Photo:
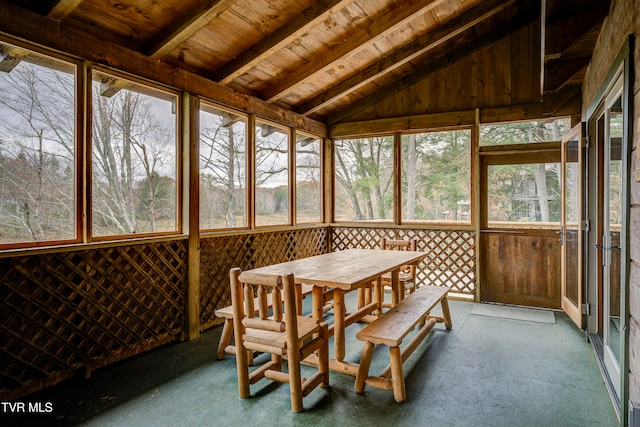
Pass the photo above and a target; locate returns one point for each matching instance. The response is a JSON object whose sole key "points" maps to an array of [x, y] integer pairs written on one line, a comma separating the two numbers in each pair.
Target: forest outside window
{"points": [[223, 168], [527, 132], [524, 194], [308, 179], [272, 174], [436, 177], [364, 179], [134, 161], [38, 203]]}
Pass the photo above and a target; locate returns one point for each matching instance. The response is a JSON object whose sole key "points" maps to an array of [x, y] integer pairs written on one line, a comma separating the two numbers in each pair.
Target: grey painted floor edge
{"points": [[486, 371]]}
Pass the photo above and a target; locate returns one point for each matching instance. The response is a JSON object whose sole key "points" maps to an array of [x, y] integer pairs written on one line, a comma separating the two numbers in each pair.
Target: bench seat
{"points": [[391, 328]]}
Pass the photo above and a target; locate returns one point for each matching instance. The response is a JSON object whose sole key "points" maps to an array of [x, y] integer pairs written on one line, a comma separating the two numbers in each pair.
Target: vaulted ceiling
{"points": [[320, 58]]}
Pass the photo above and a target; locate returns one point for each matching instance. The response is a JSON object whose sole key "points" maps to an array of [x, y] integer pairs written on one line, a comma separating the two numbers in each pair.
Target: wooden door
{"points": [[571, 237], [520, 257]]}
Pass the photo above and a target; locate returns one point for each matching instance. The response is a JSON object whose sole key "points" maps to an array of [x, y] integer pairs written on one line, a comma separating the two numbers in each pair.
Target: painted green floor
{"points": [[487, 371]]}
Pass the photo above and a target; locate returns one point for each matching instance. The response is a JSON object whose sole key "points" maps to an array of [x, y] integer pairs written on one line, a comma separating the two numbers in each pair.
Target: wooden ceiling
{"points": [[319, 58]]}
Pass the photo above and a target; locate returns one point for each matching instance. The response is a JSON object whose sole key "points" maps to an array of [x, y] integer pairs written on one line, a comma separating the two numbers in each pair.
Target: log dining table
{"points": [[336, 273]]}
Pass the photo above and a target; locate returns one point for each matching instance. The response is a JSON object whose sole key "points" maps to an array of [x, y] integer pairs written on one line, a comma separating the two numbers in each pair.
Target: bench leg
{"points": [[399, 391], [225, 338], [446, 313], [363, 368]]}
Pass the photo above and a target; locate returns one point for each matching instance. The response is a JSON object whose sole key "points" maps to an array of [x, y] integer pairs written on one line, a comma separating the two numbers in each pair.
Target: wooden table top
{"points": [[348, 269]]}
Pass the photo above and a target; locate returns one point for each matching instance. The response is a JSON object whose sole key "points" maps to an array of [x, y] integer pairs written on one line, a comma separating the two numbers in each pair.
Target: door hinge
{"points": [[586, 309]]}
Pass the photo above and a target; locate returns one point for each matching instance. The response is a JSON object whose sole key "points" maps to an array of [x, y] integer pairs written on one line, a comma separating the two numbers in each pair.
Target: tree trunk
{"points": [[412, 159]]}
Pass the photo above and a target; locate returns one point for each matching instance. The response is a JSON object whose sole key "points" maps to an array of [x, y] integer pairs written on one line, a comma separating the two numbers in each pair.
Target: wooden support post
{"points": [[191, 212]]}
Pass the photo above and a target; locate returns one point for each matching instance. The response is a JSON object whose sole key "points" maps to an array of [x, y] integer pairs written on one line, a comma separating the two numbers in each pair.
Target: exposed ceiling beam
{"points": [[10, 57], [356, 43], [286, 34], [63, 8], [396, 59], [490, 37], [562, 32], [110, 86], [194, 19], [559, 73]]}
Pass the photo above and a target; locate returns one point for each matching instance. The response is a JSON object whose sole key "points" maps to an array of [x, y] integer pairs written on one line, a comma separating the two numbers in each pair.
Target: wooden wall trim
{"points": [[531, 111], [29, 27]]}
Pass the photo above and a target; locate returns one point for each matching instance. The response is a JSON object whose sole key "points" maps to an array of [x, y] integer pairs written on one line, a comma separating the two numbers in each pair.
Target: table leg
{"points": [[395, 287], [378, 295], [317, 301], [338, 324]]}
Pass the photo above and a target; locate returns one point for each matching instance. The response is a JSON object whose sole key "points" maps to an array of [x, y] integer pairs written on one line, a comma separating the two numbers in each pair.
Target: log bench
{"points": [[390, 329], [224, 346]]}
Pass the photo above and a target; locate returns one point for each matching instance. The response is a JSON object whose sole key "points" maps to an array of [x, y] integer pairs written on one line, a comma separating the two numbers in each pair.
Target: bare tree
{"points": [[223, 165], [130, 145], [37, 147]]}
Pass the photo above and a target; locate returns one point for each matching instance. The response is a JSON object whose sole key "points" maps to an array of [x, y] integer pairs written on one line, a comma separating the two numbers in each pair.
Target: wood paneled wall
{"points": [[496, 76]]}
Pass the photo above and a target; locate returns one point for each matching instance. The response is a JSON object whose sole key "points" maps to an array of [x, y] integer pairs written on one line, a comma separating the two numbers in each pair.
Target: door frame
{"points": [[573, 308], [622, 68]]}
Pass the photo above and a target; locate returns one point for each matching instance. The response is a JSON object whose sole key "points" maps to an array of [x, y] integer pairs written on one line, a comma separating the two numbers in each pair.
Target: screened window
{"points": [[308, 179], [523, 193], [134, 158], [37, 148], [223, 168], [524, 132], [364, 179], [436, 176], [272, 174]]}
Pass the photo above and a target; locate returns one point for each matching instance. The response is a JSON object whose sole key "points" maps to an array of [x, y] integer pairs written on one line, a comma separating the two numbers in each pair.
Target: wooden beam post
{"points": [[191, 212]]}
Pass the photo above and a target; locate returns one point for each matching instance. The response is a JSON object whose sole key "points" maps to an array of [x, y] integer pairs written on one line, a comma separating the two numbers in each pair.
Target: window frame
{"points": [[320, 140], [395, 153], [88, 177], [472, 182], [78, 161], [206, 103], [290, 132]]}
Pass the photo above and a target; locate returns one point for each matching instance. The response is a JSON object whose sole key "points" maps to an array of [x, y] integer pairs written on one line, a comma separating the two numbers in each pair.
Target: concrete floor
{"points": [[487, 371]]}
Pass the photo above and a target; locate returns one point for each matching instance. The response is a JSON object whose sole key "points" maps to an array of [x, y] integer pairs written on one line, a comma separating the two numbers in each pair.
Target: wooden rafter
{"points": [[430, 66], [564, 31], [356, 43], [416, 48], [296, 27], [559, 73], [10, 57], [62, 8], [197, 17]]}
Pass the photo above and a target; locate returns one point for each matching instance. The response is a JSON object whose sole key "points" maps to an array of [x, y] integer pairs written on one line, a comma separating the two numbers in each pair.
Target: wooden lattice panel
{"points": [[451, 260], [66, 313], [219, 254]]}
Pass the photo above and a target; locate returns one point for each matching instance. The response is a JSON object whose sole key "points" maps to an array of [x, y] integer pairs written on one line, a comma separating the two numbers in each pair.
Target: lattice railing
{"points": [[452, 254], [219, 254], [70, 312]]}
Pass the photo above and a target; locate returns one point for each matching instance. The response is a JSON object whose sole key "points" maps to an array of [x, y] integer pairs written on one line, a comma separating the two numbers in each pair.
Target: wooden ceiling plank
{"points": [[497, 33], [37, 29], [409, 52], [356, 43], [201, 13], [286, 34], [63, 8]]}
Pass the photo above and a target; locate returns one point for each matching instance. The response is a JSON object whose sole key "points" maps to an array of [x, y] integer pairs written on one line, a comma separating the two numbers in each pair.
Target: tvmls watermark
{"points": [[27, 407]]}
